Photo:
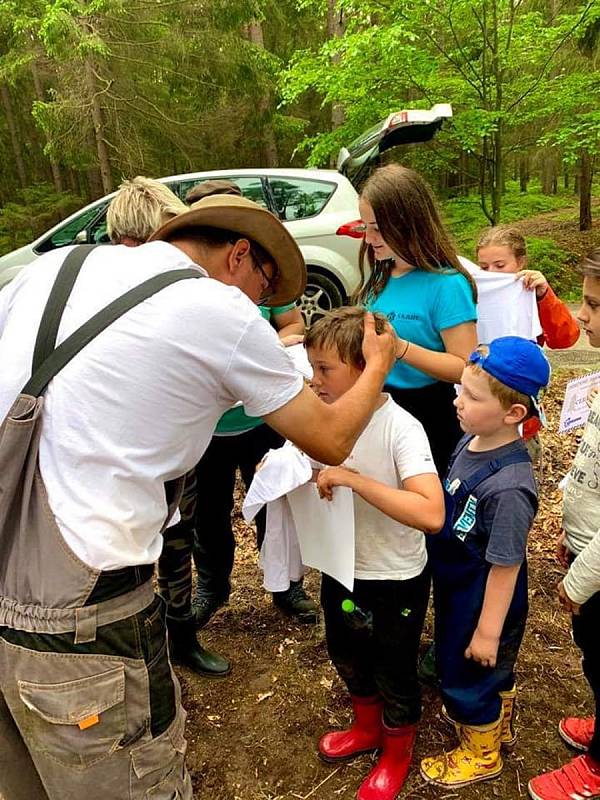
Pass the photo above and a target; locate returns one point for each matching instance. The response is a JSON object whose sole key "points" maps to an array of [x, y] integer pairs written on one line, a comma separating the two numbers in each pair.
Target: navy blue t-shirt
{"points": [[500, 511]]}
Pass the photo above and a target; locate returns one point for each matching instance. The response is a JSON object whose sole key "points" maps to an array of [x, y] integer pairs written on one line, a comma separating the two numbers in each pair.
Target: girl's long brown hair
{"points": [[409, 221]]}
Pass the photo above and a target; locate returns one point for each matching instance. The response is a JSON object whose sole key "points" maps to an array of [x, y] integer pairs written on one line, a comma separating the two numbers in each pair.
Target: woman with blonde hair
{"points": [[417, 281], [139, 208]]}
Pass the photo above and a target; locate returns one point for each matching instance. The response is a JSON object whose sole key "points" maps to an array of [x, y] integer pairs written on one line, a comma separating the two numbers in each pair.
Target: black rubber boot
{"points": [[296, 603], [185, 649], [426, 668], [204, 607]]}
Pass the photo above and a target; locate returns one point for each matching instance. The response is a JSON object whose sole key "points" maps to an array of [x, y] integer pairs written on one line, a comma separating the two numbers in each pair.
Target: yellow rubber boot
{"points": [[509, 732], [477, 757]]}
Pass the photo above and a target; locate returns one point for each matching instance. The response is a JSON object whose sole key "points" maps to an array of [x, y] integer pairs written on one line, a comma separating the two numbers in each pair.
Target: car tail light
{"points": [[355, 229]]}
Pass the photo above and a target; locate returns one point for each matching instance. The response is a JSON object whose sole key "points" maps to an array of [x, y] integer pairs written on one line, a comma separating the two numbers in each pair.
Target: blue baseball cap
{"points": [[517, 363]]}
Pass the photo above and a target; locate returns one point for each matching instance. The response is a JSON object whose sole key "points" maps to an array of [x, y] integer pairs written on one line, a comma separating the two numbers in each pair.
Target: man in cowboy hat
{"points": [[88, 702]]}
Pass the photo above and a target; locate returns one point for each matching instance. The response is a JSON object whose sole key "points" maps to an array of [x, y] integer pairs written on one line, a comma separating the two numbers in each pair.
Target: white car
{"points": [[319, 208]]}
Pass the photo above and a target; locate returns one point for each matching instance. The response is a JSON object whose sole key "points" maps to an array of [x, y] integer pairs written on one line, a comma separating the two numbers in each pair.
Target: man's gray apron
{"points": [[70, 702]]}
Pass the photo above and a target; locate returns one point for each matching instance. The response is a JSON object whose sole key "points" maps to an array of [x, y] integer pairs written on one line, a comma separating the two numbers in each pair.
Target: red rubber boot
{"points": [[386, 779], [363, 736]]}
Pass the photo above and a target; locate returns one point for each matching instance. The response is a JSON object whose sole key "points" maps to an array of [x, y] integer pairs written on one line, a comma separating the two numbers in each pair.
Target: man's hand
{"points": [[534, 280], [333, 476], [483, 649], [566, 602], [562, 551], [379, 350]]}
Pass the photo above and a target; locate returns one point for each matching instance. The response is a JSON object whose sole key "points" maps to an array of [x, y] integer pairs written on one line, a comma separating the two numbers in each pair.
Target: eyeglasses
{"points": [[270, 283]]}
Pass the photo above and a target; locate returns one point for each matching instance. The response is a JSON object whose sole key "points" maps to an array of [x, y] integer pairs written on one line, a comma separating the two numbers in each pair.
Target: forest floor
{"points": [[253, 735], [562, 226]]}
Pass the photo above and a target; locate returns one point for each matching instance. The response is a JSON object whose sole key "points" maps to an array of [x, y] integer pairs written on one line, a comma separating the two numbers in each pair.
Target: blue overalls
{"points": [[457, 556]]}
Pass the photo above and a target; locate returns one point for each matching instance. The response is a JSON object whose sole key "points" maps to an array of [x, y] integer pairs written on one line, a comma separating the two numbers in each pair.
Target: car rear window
{"points": [[300, 198], [251, 187]]}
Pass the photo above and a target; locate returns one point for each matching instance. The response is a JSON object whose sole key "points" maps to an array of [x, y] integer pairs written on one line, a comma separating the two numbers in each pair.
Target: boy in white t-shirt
{"points": [[397, 497]]}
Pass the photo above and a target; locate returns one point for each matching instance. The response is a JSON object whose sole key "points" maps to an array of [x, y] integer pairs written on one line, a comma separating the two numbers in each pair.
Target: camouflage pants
{"points": [[175, 562]]}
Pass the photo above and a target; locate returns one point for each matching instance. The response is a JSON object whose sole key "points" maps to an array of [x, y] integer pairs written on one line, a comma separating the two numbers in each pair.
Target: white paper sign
{"points": [[326, 531], [575, 410]]}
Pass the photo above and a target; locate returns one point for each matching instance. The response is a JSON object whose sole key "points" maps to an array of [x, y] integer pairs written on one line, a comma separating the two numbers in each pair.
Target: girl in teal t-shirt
{"points": [[417, 281]]}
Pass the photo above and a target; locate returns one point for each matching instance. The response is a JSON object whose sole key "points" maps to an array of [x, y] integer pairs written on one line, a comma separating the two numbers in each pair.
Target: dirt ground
{"points": [[252, 736]]}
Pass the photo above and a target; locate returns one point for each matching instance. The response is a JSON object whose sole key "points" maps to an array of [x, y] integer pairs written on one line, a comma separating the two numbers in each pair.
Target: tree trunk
{"points": [[497, 170], [546, 175], [14, 139], [39, 94], [255, 35], [463, 166], [483, 180], [99, 127], [566, 178], [336, 26], [523, 173], [585, 192]]}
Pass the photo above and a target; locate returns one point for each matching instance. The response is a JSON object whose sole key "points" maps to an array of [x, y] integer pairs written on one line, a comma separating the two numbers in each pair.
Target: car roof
{"points": [[269, 172], [316, 174]]}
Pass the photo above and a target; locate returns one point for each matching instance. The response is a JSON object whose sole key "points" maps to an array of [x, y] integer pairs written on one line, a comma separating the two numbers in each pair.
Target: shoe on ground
{"points": [[185, 649], [296, 603], [205, 606], [477, 758], [577, 780], [508, 737], [426, 668], [363, 736], [386, 779], [577, 732]]}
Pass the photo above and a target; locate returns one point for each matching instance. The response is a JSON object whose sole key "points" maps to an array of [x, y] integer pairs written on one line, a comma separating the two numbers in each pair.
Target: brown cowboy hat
{"points": [[249, 220]]}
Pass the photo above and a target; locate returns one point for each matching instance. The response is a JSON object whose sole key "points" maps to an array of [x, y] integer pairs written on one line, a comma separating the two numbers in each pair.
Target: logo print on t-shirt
{"points": [[466, 521]]}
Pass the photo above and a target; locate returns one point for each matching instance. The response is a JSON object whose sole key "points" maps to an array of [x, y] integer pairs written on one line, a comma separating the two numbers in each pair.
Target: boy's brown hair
{"points": [[343, 329], [507, 396]]}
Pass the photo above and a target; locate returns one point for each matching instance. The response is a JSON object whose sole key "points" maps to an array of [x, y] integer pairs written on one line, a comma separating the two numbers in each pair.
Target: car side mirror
{"points": [[82, 237]]}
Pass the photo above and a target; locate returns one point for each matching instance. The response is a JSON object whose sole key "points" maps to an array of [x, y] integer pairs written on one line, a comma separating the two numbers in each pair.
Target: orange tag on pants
{"points": [[87, 723]]}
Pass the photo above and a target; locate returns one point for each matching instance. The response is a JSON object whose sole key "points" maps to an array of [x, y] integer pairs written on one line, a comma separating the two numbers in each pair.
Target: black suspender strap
{"points": [[57, 300], [59, 357]]}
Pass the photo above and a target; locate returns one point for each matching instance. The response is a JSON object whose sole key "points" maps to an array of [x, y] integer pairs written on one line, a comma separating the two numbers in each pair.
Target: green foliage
{"points": [[32, 212], [495, 61], [556, 264], [467, 220]]}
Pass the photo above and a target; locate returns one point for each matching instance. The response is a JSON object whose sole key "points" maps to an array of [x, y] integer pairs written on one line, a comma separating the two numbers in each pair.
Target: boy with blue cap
{"points": [[479, 559]]}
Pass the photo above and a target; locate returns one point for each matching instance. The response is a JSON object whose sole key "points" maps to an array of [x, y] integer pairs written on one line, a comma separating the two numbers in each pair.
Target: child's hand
{"points": [[532, 279], [566, 602], [592, 395], [291, 339], [483, 649], [333, 476], [562, 551]]}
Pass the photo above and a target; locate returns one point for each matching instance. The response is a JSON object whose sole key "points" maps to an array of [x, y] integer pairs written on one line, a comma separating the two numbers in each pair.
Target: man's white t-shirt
{"points": [[392, 448], [138, 406]]}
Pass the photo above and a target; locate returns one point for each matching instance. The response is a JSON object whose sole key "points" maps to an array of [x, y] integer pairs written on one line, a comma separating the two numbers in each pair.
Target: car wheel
{"points": [[320, 295]]}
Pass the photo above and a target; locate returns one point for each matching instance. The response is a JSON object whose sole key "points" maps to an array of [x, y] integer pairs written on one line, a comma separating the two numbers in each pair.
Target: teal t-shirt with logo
{"points": [[420, 305], [236, 420]]}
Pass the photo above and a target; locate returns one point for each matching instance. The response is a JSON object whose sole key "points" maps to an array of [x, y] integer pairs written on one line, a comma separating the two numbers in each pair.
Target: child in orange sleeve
{"points": [[503, 249]]}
